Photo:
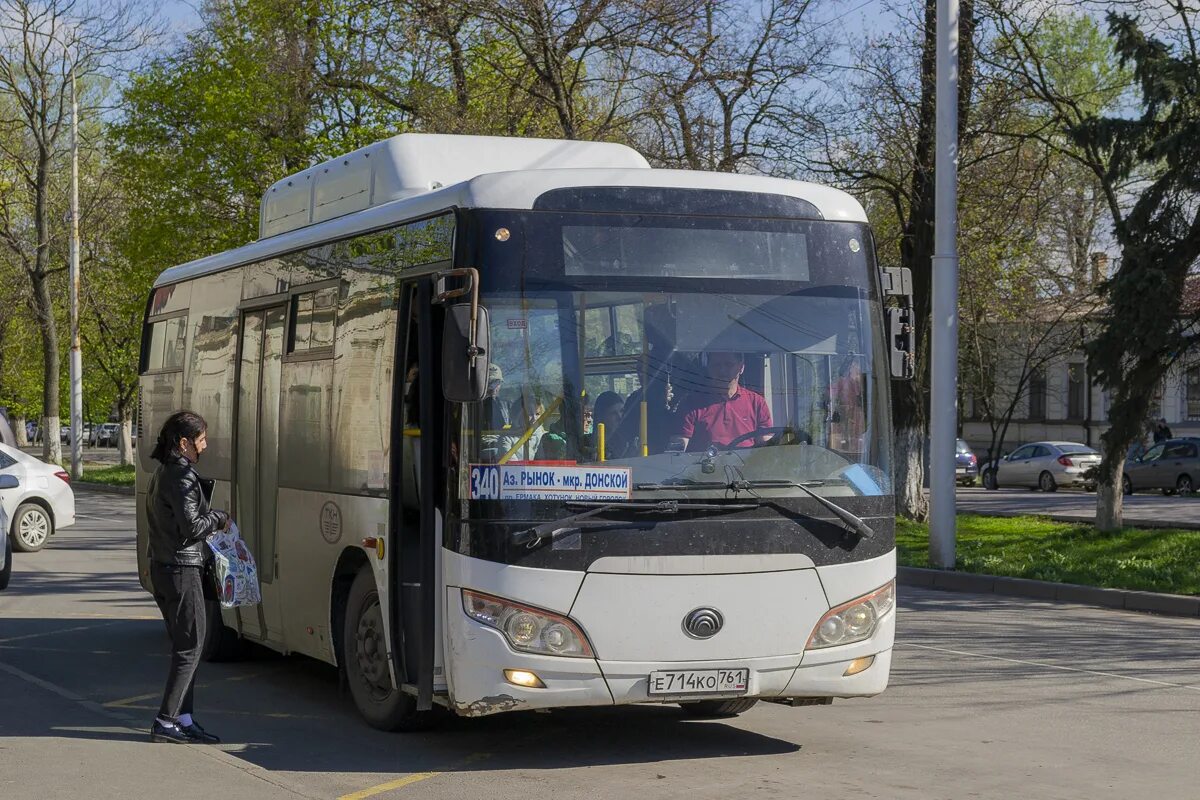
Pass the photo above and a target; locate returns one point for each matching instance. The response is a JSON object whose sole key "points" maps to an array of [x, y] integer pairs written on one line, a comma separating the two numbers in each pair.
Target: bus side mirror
{"points": [[465, 357], [897, 282], [900, 341]]}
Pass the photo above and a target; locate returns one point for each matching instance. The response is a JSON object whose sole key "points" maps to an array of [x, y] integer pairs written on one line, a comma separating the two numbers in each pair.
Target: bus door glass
{"points": [[257, 446]]}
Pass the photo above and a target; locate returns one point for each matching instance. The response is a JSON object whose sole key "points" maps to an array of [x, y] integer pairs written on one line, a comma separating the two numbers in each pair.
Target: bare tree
{"points": [[1021, 335], [733, 87], [580, 54], [882, 146], [42, 46]]}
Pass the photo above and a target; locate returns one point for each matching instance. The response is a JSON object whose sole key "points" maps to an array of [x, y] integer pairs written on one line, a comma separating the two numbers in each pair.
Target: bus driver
{"points": [[724, 410]]}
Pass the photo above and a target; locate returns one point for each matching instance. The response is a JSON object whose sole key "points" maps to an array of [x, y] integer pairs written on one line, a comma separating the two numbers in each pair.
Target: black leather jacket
{"points": [[179, 516]]}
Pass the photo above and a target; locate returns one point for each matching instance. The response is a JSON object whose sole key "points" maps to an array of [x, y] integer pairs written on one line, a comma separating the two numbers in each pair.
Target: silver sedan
{"points": [[1172, 466], [1042, 465]]}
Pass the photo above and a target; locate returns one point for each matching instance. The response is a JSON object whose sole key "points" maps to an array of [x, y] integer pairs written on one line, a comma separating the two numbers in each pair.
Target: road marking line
{"points": [[1053, 666], [87, 615], [127, 700], [234, 712], [387, 787], [56, 632], [74, 651]]}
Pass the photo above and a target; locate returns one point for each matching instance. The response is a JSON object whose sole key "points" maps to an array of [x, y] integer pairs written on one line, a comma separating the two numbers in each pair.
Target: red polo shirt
{"points": [[718, 418]]}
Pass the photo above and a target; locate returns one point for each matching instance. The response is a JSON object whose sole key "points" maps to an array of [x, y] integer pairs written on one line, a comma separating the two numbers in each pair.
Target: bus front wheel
{"points": [[716, 709], [365, 659]]}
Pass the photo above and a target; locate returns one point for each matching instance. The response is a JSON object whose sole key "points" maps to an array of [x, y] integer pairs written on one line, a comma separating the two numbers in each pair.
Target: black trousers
{"points": [[179, 592]]}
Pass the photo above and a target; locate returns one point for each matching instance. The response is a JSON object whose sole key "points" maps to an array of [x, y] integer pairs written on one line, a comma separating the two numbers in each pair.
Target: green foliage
{"points": [[1143, 331], [1156, 560], [113, 476]]}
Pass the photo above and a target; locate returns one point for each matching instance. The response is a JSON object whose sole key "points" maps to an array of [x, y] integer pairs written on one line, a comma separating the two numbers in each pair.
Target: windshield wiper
{"points": [[531, 536], [856, 523]]}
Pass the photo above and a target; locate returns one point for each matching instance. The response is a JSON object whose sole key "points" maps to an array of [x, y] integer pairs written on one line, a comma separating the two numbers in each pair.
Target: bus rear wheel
{"points": [[718, 709], [365, 659]]}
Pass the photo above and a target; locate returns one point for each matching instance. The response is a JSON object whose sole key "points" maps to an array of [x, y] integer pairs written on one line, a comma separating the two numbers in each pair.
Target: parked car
{"points": [[7, 482], [1171, 466], [966, 465], [1042, 465], [105, 435], [42, 504]]}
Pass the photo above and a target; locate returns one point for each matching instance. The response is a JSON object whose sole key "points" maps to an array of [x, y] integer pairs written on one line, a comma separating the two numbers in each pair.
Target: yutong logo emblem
{"points": [[703, 623]]}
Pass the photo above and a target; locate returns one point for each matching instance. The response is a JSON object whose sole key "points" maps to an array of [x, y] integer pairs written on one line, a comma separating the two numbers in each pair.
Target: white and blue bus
{"points": [[519, 424]]}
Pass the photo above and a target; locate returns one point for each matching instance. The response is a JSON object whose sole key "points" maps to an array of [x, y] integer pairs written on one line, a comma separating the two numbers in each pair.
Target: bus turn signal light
{"points": [[858, 665]]}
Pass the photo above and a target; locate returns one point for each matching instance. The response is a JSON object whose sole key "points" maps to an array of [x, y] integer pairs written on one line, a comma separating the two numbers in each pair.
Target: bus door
{"points": [[416, 490], [256, 444]]}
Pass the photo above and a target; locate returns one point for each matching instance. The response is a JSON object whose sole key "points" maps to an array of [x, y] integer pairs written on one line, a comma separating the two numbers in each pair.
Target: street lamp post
{"points": [[76, 367], [944, 331]]}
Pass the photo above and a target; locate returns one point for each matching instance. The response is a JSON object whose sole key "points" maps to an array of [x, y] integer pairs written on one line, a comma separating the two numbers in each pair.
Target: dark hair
{"points": [[606, 401], [180, 425]]}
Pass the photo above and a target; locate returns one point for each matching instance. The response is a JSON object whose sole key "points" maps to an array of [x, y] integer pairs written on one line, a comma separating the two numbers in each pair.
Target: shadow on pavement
{"points": [[288, 713]]}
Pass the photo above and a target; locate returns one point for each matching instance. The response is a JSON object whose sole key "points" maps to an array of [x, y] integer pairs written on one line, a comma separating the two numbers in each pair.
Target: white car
{"points": [[6, 482], [42, 504]]}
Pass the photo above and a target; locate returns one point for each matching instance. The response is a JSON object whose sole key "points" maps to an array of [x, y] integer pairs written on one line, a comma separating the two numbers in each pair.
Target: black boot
{"points": [[202, 736], [172, 733]]}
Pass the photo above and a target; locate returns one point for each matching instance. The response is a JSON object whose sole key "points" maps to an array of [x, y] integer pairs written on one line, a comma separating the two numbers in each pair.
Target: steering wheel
{"points": [[801, 436]]}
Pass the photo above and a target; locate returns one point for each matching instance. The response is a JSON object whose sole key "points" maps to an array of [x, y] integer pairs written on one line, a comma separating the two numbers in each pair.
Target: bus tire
{"points": [[221, 642], [365, 659], [718, 709]]}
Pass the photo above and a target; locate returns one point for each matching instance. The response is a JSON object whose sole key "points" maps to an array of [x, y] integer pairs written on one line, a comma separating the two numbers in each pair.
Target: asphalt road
{"points": [[1149, 509], [990, 698]]}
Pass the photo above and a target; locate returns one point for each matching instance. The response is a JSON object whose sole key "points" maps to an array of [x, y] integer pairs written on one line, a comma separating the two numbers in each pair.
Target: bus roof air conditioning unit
{"points": [[415, 163]]}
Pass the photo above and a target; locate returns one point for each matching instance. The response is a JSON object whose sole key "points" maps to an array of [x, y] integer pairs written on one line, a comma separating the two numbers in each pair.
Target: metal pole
{"points": [[944, 367], [76, 356]]}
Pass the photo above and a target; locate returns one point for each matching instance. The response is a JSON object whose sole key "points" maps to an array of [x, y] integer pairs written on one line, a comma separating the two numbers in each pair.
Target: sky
{"points": [[854, 17]]}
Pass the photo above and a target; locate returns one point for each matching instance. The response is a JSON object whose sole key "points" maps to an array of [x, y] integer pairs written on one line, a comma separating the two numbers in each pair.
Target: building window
{"points": [[1192, 387], [1076, 390], [1037, 395]]}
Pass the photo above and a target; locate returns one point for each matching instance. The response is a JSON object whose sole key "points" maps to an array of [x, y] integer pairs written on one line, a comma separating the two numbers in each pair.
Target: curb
{"points": [[103, 488], [1175, 605]]}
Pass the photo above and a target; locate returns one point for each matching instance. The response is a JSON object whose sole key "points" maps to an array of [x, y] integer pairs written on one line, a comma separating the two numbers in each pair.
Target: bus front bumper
{"points": [[480, 655]]}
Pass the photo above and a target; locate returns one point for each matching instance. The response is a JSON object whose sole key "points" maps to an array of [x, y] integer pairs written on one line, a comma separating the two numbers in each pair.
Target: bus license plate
{"points": [[700, 681]]}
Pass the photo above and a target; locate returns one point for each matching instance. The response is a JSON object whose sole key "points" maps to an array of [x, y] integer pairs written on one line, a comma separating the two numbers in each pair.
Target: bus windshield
{"points": [[666, 357]]}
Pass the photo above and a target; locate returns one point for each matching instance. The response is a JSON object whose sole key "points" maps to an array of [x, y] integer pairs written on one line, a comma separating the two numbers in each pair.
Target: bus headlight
{"points": [[529, 629], [853, 621]]}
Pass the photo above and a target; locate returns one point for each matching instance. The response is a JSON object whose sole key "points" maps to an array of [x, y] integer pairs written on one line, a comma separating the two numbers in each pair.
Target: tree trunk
{"points": [[125, 437], [911, 499], [125, 442], [21, 429], [51, 445], [1109, 498]]}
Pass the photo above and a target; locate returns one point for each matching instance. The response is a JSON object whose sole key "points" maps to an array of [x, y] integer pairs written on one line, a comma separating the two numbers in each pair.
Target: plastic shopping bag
{"points": [[237, 575]]}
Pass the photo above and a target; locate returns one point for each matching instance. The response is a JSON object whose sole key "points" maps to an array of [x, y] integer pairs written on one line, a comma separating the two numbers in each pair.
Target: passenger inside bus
{"points": [[607, 412]]}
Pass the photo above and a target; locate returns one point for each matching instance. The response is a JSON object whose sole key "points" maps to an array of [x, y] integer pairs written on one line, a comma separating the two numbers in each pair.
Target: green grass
{"points": [[1155, 560], [115, 476]]}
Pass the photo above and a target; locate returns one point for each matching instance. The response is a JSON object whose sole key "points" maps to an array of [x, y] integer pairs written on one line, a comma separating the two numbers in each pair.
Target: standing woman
{"points": [[179, 520]]}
